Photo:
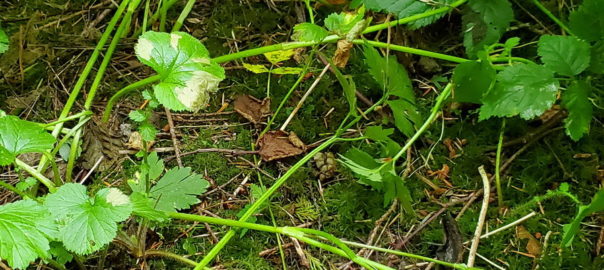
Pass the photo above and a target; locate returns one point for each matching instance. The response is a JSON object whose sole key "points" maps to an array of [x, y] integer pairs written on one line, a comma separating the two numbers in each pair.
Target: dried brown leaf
{"points": [[252, 108], [533, 246], [340, 58], [278, 144]]}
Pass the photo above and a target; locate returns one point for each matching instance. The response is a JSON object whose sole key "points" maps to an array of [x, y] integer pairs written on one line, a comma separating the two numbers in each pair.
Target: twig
{"points": [[174, 139], [522, 219], [481, 218], [299, 105], [96, 164]]}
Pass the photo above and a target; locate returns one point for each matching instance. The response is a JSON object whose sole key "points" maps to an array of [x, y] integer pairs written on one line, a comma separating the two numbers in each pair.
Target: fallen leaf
{"points": [[277, 144], [533, 246], [442, 174], [340, 58], [252, 108]]}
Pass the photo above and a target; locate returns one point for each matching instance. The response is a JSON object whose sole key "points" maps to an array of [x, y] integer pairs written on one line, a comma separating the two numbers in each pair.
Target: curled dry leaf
{"points": [[252, 108], [340, 59], [278, 144], [533, 246]]}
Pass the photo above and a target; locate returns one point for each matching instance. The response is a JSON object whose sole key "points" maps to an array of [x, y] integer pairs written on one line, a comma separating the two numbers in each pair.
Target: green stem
{"points": [[183, 15], [553, 17], [51, 187], [409, 255], [507, 59], [163, 14], [154, 18], [66, 119], [13, 189], [89, 65], [498, 165], [131, 87], [409, 19], [124, 24], [434, 112], [411, 50], [311, 14], [294, 232], [166, 254]]}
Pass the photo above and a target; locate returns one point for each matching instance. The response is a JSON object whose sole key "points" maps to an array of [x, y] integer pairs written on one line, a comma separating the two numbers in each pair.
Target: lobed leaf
{"points": [[22, 238], [309, 32], [178, 189], [188, 74], [94, 219], [19, 136]]}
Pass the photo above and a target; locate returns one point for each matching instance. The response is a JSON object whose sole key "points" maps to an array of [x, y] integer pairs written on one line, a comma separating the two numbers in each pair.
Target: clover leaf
{"points": [[188, 74]]}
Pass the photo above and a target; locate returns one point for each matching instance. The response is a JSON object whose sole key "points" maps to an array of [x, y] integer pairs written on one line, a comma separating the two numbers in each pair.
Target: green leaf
{"points": [[576, 101], [377, 133], [94, 219], [19, 136], [597, 58], [389, 74], [587, 21], [276, 57], [527, 90], [137, 116], [484, 22], [26, 184], [258, 69], [22, 240], [178, 189], [308, 32], [152, 168], [395, 188], [4, 40], [570, 230], [6, 157], [363, 165], [143, 206], [287, 70], [564, 54], [344, 22], [407, 8], [188, 74], [147, 131], [472, 80], [59, 253], [406, 116]]}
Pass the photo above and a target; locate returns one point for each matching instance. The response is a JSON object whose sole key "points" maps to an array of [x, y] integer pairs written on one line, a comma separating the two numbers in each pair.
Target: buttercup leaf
{"points": [[22, 240], [178, 189], [95, 219], [188, 74], [19, 136]]}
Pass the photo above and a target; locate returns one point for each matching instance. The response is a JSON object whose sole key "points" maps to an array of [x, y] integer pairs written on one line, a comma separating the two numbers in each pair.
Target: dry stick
{"points": [[299, 105], [482, 217], [174, 139]]}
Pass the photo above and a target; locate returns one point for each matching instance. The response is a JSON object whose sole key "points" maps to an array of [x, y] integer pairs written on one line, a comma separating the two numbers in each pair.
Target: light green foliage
{"points": [[177, 189], [4, 41], [344, 23], [406, 8], [277, 57], [188, 74], [59, 253], [587, 21], [576, 101], [472, 80], [527, 90], [143, 206], [151, 169], [147, 131], [484, 22], [138, 115], [564, 54], [309, 32], [394, 80], [94, 219], [19, 136], [22, 238], [570, 230]]}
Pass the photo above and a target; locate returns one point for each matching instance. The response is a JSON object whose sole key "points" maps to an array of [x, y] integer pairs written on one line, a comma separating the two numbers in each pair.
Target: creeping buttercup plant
{"points": [[42, 227]]}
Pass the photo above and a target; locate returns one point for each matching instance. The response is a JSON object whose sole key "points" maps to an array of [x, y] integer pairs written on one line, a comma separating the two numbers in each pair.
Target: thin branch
{"points": [[482, 217]]}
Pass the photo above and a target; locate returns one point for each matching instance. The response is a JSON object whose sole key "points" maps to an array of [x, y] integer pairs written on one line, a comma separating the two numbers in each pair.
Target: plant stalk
{"points": [[498, 165], [552, 17], [51, 187], [129, 88]]}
